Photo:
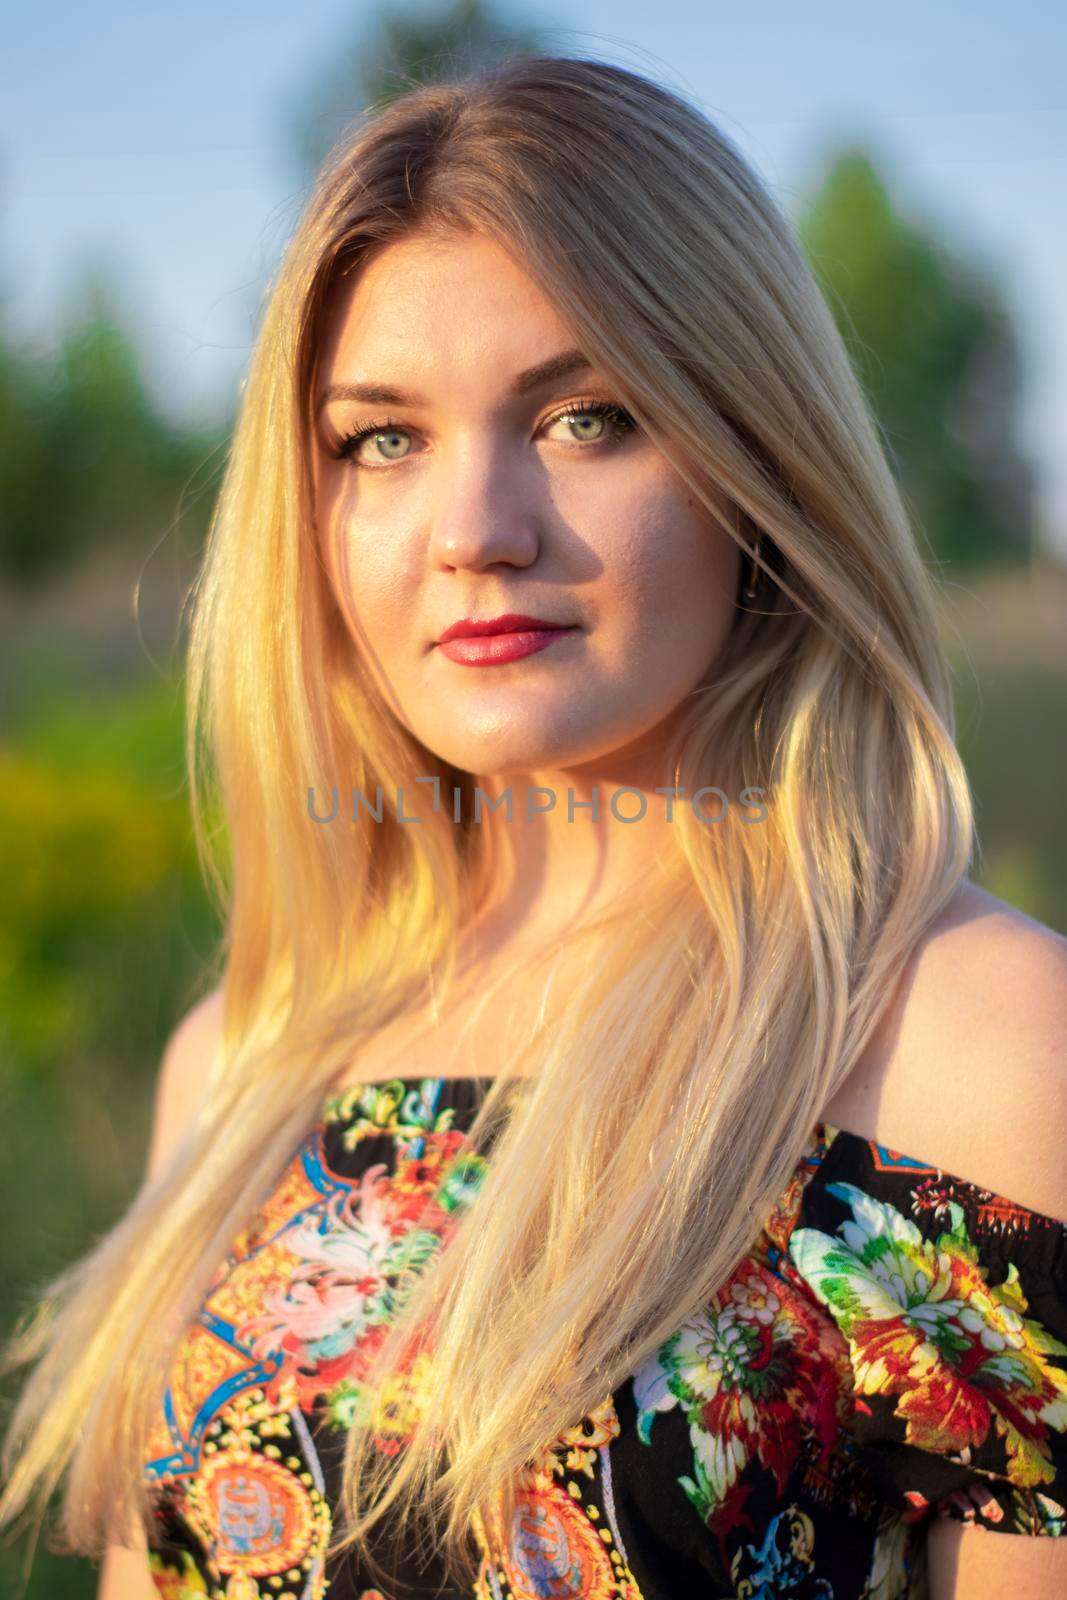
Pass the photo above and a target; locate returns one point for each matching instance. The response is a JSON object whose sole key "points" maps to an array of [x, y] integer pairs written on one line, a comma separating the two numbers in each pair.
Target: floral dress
{"points": [[892, 1349]]}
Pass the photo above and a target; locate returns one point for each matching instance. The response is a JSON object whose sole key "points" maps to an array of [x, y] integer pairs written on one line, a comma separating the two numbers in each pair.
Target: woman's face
{"points": [[481, 492]]}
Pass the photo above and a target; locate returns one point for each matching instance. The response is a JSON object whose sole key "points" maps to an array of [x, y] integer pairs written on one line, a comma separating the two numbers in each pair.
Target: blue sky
{"points": [[157, 140]]}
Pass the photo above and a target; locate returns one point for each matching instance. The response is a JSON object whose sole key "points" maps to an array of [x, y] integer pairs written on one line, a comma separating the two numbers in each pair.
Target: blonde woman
{"points": [[622, 1154]]}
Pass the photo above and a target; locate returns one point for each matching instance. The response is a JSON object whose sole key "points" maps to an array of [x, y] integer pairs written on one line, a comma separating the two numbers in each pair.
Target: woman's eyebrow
{"points": [[378, 394]]}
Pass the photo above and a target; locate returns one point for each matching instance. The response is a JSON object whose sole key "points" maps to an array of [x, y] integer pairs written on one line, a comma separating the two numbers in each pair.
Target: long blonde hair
{"points": [[713, 1021]]}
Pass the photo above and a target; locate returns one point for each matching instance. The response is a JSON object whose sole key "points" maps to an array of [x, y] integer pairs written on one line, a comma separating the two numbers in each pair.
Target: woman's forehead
{"points": [[419, 316]]}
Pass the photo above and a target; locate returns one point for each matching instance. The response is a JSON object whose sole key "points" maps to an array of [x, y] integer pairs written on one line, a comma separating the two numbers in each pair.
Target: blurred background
{"points": [[152, 164]]}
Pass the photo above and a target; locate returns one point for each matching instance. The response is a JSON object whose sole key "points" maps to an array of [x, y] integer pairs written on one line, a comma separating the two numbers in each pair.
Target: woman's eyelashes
{"points": [[616, 425]]}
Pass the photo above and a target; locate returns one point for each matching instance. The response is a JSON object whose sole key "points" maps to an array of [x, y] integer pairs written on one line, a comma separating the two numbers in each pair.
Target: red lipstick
{"points": [[499, 639]]}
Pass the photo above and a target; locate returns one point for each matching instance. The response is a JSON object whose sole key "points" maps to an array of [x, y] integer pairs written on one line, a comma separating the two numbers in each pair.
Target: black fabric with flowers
{"points": [[892, 1349]]}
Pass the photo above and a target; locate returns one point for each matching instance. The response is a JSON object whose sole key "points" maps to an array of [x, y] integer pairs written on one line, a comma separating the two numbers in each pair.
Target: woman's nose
{"points": [[484, 511]]}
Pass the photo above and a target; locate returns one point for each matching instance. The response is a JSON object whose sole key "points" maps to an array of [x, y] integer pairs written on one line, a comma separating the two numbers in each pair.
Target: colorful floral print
{"points": [[784, 1561], [923, 1322], [755, 1373], [891, 1350]]}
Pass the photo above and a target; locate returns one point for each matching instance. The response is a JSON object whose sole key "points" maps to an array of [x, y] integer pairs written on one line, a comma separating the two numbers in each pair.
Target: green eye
{"points": [[606, 417], [351, 444], [584, 418]]}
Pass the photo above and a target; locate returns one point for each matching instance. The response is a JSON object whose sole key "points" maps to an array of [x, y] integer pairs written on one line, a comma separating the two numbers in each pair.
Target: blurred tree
{"points": [[86, 458], [936, 350], [408, 46], [23, 447]]}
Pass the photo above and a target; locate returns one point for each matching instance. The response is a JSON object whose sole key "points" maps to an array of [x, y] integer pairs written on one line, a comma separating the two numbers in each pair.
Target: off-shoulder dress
{"points": [[892, 1349]]}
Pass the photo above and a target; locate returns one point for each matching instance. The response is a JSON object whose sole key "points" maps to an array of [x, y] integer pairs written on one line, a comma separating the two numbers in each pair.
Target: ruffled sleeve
{"points": [[953, 1304]]}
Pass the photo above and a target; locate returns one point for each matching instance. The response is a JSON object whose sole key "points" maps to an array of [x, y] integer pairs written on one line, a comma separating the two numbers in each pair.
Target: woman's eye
{"points": [[607, 421], [385, 438]]}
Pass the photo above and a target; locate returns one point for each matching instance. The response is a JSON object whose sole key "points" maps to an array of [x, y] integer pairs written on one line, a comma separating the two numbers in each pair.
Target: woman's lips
{"points": [[493, 649]]}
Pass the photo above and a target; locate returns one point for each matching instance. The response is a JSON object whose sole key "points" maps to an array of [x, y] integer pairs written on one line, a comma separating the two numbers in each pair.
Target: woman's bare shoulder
{"points": [[968, 1066], [183, 1074], [125, 1575]]}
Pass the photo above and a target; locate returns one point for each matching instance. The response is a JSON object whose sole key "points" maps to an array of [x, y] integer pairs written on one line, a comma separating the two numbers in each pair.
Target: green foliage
{"points": [[105, 924], [105, 929], [934, 347], [86, 459], [85, 844], [1011, 736]]}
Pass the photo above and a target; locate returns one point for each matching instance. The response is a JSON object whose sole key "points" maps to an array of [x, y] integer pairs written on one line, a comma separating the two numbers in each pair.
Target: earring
{"points": [[749, 591]]}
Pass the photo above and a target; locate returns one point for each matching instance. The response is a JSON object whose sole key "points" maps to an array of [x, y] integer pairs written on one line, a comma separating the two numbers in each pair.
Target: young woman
{"points": [[622, 1156]]}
